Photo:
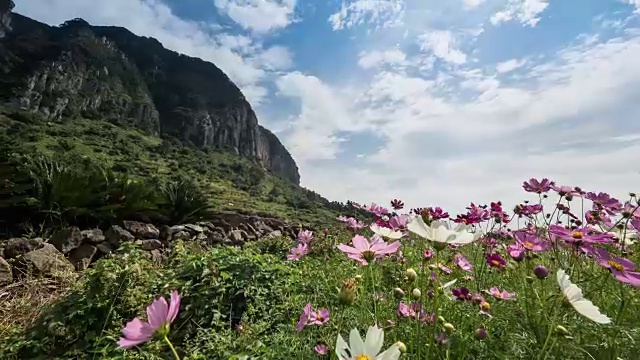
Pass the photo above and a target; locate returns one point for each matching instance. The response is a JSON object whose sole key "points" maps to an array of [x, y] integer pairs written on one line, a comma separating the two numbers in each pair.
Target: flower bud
{"points": [[358, 277], [541, 272], [401, 346], [428, 254], [562, 330], [480, 334], [441, 319], [347, 294], [399, 292], [411, 274], [485, 306], [449, 328], [416, 294]]}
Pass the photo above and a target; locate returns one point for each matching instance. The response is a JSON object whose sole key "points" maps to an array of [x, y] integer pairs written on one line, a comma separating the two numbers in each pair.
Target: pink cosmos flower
{"points": [[462, 294], [462, 262], [321, 349], [414, 310], [364, 251], [622, 269], [305, 236], [319, 317], [397, 204], [428, 254], [298, 252], [445, 269], [496, 261], [566, 191], [535, 186], [500, 295], [159, 317], [304, 317], [530, 241], [581, 235], [605, 202], [516, 251]]}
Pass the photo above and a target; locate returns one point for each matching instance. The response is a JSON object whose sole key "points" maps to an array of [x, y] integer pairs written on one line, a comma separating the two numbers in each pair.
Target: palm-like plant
{"points": [[184, 201]]}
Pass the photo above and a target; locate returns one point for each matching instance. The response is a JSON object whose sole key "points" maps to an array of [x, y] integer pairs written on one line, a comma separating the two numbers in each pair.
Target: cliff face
{"points": [[5, 16], [108, 72]]}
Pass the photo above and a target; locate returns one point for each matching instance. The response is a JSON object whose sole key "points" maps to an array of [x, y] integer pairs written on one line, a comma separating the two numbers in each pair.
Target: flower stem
{"points": [[373, 287], [173, 350]]}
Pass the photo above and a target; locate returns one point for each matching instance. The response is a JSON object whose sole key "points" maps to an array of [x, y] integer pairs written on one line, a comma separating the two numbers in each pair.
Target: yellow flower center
{"points": [[495, 262], [363, 357], [615, 265], [499, 295], [529, 244], [577, 234]]}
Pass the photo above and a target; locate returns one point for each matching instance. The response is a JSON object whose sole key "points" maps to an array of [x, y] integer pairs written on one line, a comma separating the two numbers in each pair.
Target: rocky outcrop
{"points": [[5, 16], [72, 248], [79, 70]]}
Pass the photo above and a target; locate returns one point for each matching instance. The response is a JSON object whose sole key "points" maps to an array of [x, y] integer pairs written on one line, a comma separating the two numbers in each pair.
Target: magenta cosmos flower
{"points": [[583, 234], [298, 252], [364, 251], [530, 241], [500, 295], [310, 317], [462, 262], [159, 316], [535, 186], [321, 349], [622, 269], [496, 261], [305, 236]]}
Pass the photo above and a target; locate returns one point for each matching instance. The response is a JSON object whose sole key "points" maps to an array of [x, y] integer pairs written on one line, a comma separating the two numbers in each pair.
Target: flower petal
{"points": [[174, 306]]}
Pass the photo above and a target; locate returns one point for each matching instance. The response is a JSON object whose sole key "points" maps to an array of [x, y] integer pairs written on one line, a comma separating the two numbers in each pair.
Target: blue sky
{"points": [[434, 102]]}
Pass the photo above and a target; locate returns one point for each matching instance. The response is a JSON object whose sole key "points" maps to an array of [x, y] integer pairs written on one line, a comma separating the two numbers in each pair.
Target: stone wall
{"points": [[74, 249]]}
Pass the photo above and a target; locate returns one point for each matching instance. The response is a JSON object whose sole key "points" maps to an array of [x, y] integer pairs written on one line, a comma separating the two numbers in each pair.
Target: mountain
{"points": [[77, 71]]}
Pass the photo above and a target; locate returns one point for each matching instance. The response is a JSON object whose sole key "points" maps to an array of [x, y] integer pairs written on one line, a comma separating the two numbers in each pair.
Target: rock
{"points": [[48, 261], [82, 256], [6, 276], [206, 225], [67, 239], [152, 244], [93, 236], [263, 228], [215, 238], [194, 228], [20, 246], [237, 237], [105, 247], [165, 232], [116, 235], [275, 234], [141, 230], [181, 235]]}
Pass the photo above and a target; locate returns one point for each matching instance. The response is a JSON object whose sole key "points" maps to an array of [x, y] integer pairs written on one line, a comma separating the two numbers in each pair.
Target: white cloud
{"points": [[472, 4], [442, 44], [509, 65], [525, 11], [276, 57], [378, 13], [259, 15], [374, 59]]}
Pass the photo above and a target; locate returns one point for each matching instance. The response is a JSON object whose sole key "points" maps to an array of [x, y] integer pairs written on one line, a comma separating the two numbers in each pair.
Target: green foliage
{"points": [[219, 288], [183, 200]]}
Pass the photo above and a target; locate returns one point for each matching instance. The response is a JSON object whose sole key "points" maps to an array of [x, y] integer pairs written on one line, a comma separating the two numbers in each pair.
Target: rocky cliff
{"points": [[79, 70], [5, 16]]}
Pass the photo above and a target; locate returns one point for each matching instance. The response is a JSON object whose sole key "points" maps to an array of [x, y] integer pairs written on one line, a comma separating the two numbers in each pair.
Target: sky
{"points": [[437, 103]]}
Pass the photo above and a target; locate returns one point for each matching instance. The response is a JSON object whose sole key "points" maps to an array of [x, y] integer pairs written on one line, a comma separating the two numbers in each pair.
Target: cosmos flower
{"points": [[160, 315], [439, 232], [500, 295], [574, 296], [622, 269], [364, 251], [496, 261], [583, 235], [462, 262], [537, 186], [368, 349], [385, 232], [305, 236], [298, 252]]}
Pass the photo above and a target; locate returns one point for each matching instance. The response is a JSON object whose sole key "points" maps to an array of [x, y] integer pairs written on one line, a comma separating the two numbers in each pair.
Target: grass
{"points": [[245, 303]]}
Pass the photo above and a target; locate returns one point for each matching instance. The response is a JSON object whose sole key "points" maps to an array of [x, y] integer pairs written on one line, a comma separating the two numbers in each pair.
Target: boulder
{"points": [[19, 246], [6, 275], [116, 235], [82, 256], [149, 244], [141, 230], [92, 236], [48, 261], [67, 239]]}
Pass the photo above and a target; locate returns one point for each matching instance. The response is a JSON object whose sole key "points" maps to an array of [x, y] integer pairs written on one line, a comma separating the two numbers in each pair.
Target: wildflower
{"points": [[348, 291], [496, 261], [566, 191], [439, 232], [385, 231], [462, 294], [485, 306], [462, 262], [298, 252], [326, 231], [364, 251], [305, 236], [428, 254], [369, 349], [516, 251], [321, 349], [411, 274], [529, 241], [622, 269], [579, 235], [160, 315], [319, 317], [304, 317], [480, 334], [397, 204], [536, 186], [437, 213], [449, 328], [500, 295], [605, 202], [540, 272], [574, 295]]}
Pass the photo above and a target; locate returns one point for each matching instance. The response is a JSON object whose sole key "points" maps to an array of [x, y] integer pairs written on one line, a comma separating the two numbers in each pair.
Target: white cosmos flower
{"points": [[439, 232], [369, 349], [583, 306], [385, 232]]}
